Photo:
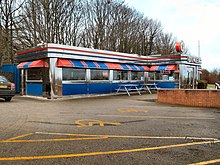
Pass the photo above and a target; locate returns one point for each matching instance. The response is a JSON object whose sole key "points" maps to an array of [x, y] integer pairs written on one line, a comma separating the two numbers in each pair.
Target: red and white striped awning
{"points": [[99, 65], [33, 64]]}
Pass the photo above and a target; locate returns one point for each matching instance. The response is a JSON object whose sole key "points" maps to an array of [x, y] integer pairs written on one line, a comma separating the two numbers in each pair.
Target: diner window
{"points": [[137, 75], [99, 74], [155, 76], [34, 74], [74, 74], [158, 76], [161, 75], [120, 75], [151, 76]]}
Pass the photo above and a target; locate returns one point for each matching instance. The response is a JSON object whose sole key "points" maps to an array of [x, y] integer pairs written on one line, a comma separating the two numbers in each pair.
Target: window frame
{"points": [[137, 74], [96, 80], [69, 81], [121, 80], [36, 80]]}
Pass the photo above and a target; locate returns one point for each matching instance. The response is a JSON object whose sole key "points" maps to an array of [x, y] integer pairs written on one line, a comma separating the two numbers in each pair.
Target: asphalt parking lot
{"points": [[107, 130]]}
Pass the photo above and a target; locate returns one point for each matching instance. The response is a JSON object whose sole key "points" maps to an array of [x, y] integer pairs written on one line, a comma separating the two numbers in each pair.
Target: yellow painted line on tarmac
{"points": [[53, 140], [156, 106], [17, 140], [17, 137], [16, 158], [91, 122], [94, 137], [159, 137], [178, 106], [207, 162], [159, 117], [130, 110], [130, 136], [153, 106]]}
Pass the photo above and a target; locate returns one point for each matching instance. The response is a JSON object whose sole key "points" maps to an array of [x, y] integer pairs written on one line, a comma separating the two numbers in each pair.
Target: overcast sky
{"points": [[190, 21]]}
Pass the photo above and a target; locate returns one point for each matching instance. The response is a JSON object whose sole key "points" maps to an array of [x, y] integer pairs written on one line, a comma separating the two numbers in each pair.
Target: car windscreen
{"points": [[3, 79]]}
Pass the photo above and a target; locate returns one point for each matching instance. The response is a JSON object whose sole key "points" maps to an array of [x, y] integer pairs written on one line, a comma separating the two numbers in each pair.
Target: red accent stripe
{"points": [[101, 53], [136, 67], [91, 52], [31, 50], [128, 67], [84, 63], [87, 51], [96, 64]]}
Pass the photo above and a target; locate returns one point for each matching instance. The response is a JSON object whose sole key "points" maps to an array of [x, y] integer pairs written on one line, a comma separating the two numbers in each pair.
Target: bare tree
{"points": [[100, 24], [8, 10], [165, 43], [154, 29], [56, 21], [97, 21]]}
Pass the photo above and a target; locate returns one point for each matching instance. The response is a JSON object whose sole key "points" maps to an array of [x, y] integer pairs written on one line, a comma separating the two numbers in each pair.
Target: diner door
{"points": [[33, 81], [190, 78]]}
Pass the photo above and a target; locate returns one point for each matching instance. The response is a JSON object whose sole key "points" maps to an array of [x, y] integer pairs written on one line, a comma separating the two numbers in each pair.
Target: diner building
{"points": [[53, 70]]}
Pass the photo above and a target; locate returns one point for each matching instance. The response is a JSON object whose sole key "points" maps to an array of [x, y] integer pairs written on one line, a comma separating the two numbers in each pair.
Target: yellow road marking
{"points": [[133, 137], [93, 137], [101, 153], [171, 107], [159, 117], [130, 110], [89, 122], [52, 140], [157, 106], [17, 137], [207, 162], [17, 140]]}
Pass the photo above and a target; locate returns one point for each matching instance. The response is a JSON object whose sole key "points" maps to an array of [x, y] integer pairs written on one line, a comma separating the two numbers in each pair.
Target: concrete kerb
{"points": [[143, 97]]}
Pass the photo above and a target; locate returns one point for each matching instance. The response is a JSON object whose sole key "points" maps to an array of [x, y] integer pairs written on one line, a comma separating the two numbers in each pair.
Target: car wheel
{"points": [[8, 98]]}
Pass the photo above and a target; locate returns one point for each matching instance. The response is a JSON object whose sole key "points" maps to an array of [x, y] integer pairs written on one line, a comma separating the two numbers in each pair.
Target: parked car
{"points": [[7, 89], [217, 85]]}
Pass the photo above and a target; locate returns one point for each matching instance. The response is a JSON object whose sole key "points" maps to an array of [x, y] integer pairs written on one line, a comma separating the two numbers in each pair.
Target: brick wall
{"points": [[190, 97]]}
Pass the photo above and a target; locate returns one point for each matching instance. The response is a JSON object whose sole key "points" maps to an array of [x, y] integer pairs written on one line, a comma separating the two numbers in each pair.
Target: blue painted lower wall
{"points": [[34, 89], [88, 88], [165, 84], [91, 88], [74, 89], [99, 88]]}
